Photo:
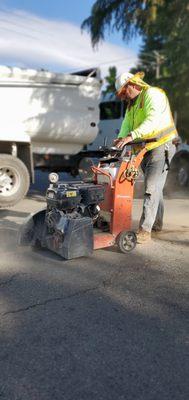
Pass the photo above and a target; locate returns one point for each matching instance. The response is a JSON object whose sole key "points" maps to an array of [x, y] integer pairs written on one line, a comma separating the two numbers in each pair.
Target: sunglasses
{"points": [[122, 90]]}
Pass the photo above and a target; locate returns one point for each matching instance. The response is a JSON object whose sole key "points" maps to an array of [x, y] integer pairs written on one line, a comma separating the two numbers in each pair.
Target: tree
{"points": [[169, 37], [110, 80], [164, 26], [129, 16]]}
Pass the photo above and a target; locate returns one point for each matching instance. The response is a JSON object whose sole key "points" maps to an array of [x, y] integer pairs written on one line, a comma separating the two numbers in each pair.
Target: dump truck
{"points": [[47, 119]]}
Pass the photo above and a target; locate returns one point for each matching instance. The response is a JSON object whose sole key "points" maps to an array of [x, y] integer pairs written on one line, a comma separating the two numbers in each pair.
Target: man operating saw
{"points": [[148, 115]]}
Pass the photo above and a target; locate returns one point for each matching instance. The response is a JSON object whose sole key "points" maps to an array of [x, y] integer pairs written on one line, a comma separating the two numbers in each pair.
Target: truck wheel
{"points": [[126, 241], [183, 173], [14, 180], [178, 176]]}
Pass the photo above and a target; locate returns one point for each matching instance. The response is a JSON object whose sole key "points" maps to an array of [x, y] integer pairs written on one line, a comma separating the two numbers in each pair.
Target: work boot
{"points": [[157, 228], [143, 236]]}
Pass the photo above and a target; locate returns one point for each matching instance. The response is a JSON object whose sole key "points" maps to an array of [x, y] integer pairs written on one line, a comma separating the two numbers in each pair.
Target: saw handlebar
{"points": [[140, 142], [133, 143], [121, 152]]}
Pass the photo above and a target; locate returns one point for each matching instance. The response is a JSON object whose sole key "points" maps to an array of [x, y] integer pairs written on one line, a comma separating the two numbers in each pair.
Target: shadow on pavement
{"points": [[106, 327], [12, 213], [36, 196], [175, 237]]}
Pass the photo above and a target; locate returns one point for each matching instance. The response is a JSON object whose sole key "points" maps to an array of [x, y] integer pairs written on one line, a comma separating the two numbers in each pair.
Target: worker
{"points": [[148, 115]]}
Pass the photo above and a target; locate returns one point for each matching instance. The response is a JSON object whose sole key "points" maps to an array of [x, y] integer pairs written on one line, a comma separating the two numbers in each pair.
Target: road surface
{"points": [[109, 327]]}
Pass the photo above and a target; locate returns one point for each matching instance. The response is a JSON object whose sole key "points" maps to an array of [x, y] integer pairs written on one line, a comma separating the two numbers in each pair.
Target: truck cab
{"points": [[112, 112]]}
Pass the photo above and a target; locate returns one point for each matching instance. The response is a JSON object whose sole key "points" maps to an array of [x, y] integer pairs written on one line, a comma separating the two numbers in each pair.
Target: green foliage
{"points": [[110, 81], [164, 26], [128, 16], [169, 35]]}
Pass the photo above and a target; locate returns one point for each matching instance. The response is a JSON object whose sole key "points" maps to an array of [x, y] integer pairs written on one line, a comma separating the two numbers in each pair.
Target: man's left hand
{"points": [[123, 142]]}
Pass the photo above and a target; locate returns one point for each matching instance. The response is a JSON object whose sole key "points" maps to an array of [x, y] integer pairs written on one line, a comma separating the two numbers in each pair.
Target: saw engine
{"points": [[66, 225], [74, 199]]}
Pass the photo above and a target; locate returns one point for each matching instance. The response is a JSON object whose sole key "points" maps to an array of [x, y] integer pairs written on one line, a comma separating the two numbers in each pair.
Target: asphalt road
{"points": [[109, 327]]}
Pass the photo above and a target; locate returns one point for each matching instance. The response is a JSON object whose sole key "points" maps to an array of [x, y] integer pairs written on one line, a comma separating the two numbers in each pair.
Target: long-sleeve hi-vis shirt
{"points": [[149, 117]]}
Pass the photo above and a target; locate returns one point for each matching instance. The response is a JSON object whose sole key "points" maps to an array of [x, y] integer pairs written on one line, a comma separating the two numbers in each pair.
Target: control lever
{"points": [[105, 141]]}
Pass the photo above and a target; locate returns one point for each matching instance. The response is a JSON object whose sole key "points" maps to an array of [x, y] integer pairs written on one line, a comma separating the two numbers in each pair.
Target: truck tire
{"points": [[14, 180], [183, 173], [178, 176]]}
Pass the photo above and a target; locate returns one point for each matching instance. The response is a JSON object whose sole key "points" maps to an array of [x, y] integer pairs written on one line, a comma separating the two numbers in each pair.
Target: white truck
{"points": [[46, 120]]}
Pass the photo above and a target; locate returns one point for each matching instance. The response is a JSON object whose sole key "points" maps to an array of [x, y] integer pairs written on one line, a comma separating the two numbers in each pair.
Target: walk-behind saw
{"points": [[83, 216]]}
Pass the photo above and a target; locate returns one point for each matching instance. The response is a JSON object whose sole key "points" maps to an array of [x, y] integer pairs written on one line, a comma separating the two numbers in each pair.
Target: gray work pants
{"points": [[155, 174]]}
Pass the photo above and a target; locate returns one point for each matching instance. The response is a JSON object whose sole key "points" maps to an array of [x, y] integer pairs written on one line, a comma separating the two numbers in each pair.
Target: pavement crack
{"points": [[51, 300], [104, 285], [5, 283]]}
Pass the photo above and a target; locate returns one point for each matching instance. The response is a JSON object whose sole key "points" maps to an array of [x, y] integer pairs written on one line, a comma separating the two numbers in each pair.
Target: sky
{"points": [[47, 34]]}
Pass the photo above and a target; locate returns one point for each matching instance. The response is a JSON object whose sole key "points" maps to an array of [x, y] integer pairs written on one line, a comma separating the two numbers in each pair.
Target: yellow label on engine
{"points": [[72, 193]]}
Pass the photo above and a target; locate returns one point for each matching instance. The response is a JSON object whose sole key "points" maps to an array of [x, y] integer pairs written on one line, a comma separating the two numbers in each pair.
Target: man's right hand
{"points": [[121, 142], [116, 141]]}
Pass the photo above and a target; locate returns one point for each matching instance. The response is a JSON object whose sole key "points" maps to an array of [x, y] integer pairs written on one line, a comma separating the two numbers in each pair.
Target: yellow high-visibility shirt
{"points": [[149, 117]]}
